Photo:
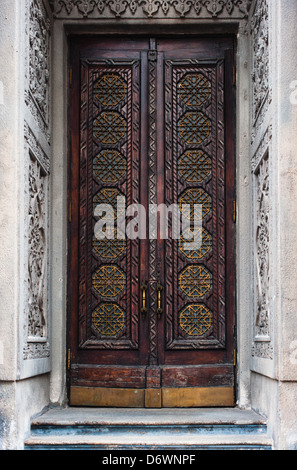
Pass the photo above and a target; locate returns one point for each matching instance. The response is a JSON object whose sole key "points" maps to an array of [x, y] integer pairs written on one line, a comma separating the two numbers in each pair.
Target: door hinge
{"points": [[69, 359], [70, 76], [70, 212], [234, 75], [234, 212], [235, 357]]}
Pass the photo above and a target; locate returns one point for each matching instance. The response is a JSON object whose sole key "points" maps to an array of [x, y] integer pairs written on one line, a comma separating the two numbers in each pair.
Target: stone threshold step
{"points": [[158, 441], [149, 429], [160, 417]]}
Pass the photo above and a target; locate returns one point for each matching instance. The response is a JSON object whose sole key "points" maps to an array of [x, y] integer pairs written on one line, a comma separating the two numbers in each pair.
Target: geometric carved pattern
{"points": [[109, 281], [194, 89], [194, 127], [110, 89], [110, 166], [110, 127], [195, 281], [194, 166], [193, 197], [195, 320], [199, 253], [109, 197], [195, 144], [109, 319], [109, 248]]}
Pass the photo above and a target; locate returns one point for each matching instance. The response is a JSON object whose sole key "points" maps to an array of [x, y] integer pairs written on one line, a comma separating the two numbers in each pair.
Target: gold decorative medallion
{"points": [[194, 127], [194, 89], [109, 197], [195, 320], [195, 197], [195, 281], [110, 166], [110, 127], [109, 319], [109, 281], [111, 247], [195, 253], [110, 89], [194, 166]]}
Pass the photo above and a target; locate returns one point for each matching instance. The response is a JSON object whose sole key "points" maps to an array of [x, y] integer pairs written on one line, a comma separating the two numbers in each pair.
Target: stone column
{"points": [[274, 165], [285, 125]]}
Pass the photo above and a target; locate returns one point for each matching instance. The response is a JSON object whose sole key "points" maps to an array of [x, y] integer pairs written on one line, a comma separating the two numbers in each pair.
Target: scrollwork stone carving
{"points": [[37, 93], [36, 324], [260, 76], [262, 345], [36, 223], [262, 248], [36, 49], [261, 134]]}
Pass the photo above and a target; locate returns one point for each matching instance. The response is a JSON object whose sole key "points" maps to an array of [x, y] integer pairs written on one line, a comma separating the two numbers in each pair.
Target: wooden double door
{"points": [[151, 319]]}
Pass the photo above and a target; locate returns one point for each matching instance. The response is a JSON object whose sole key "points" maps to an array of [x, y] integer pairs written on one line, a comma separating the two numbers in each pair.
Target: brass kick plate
{"points": [[152, 398]]}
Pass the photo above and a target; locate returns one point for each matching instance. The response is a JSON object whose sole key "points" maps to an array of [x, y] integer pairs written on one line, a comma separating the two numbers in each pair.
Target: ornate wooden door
{"points": [[151, 322]]}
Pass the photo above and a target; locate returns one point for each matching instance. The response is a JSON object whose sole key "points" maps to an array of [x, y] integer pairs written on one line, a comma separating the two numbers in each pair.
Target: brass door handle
{"points": [[159, 299], [144, 307]]}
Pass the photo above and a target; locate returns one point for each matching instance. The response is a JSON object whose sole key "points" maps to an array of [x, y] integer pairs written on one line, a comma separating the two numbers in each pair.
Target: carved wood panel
{"points": [[152, 129], [195, 174], [109, 168]]}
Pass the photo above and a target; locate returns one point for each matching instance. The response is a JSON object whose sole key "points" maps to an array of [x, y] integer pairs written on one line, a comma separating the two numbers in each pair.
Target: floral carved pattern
{"points": [[36, 48], [36, 222], [260, 75], [261, 134], [262, 346], [151, 8], [36, 342], [37, 93], [262, 249], [37, 250]]}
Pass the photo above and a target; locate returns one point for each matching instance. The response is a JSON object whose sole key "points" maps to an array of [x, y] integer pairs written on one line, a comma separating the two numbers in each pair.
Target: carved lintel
{"points": [[151, 8]]}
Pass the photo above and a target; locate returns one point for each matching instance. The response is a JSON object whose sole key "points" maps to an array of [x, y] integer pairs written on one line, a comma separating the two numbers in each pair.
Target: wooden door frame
{"points": [[230, 147]]}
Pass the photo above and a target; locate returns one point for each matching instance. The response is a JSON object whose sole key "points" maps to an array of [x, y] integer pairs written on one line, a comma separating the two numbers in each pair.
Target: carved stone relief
{"points": [[37, 93], [151, 8], [262, 345], [36, 177], [261, 90], [36, 223], [261, 134]]}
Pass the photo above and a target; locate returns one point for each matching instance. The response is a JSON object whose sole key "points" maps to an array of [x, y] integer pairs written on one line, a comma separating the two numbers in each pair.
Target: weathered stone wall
{"points": [[24, 229]]}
